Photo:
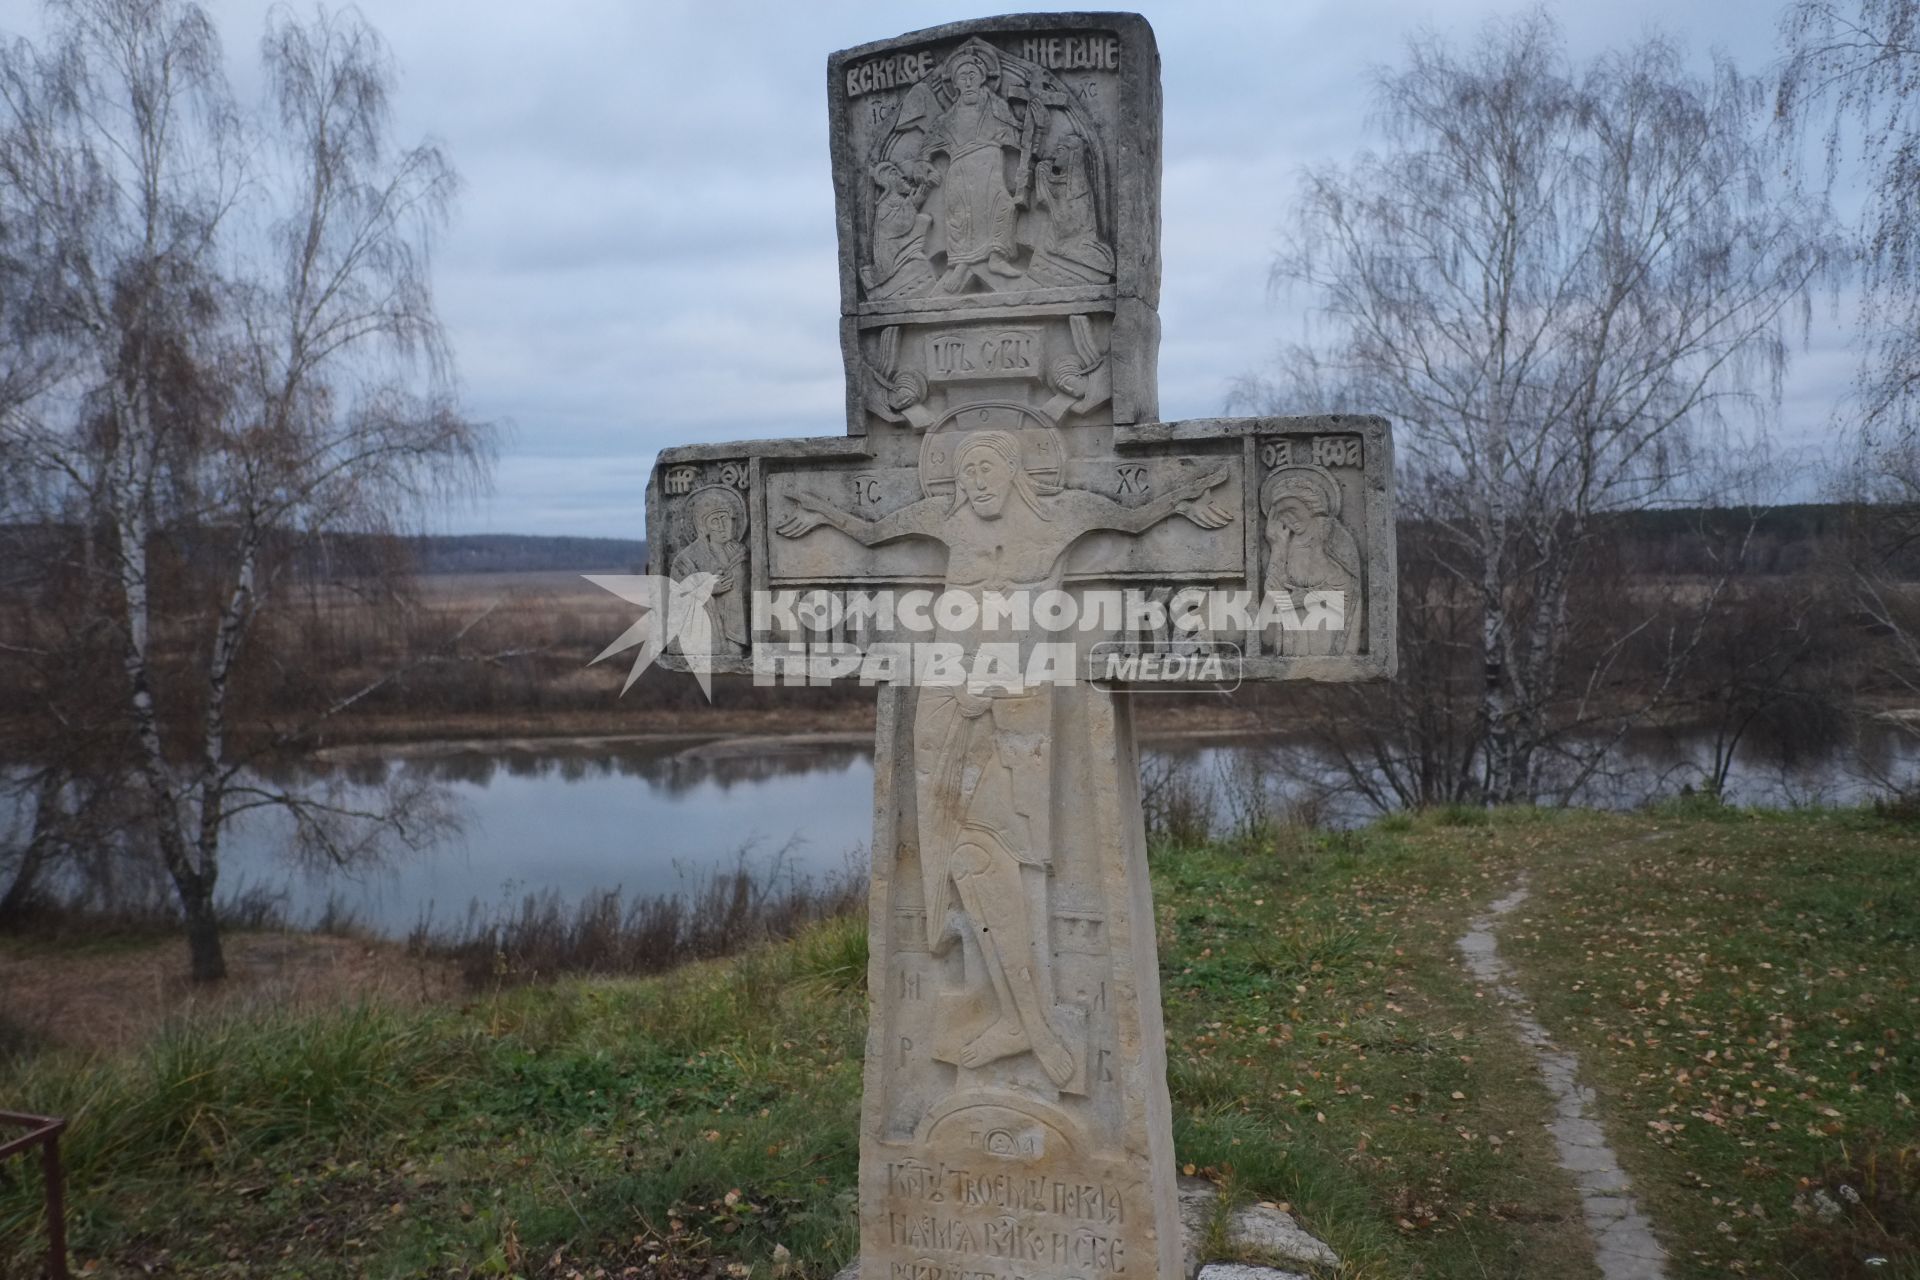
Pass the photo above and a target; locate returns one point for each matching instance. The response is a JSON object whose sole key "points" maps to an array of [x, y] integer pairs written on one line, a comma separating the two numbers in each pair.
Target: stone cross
{"points": [[997, 191]]}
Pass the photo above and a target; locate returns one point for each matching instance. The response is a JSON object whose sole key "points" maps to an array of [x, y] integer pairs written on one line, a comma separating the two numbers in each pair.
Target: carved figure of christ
{"points": [[980, 750]]}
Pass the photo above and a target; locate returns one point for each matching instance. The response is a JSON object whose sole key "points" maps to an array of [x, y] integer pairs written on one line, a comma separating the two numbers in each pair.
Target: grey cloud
{"points": [[644, 252]]}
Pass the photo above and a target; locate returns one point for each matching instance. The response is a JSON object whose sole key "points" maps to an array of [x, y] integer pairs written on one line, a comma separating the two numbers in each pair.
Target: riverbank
{"points": [[852, 718], [1156, 717], [1742, 992], [720, 743]]}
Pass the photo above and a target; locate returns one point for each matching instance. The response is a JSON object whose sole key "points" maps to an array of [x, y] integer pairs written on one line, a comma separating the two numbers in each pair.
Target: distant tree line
{"points": [[219, 355], [520, 553]]}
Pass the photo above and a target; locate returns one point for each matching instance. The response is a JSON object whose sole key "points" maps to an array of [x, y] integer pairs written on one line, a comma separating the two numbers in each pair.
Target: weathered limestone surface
{"points": [[997, 193], [997, 189], [1253, 1231], [1013, 1163]]}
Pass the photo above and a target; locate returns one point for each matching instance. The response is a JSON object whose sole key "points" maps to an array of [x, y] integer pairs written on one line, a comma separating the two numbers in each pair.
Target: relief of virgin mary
{"points": [[1310, 550]]}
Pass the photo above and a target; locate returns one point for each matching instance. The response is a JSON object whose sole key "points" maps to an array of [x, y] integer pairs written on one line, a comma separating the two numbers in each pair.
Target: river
{"points": [[655, 816]]}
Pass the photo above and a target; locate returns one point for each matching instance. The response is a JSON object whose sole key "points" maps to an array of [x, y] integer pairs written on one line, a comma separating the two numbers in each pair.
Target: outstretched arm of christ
{"points": [[921, 518], [1091, 511]]}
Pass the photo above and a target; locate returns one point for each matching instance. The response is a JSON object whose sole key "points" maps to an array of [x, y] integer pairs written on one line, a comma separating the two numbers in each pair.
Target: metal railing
{"points": [[44, 1132]]}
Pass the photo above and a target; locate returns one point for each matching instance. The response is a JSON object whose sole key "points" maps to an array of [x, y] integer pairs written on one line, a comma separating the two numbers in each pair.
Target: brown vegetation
{"points": [[545, 936], [115, 995]]}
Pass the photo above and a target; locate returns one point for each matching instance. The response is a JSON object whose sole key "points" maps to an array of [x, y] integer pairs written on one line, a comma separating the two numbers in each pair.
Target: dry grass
{"points": [[118, 992]]}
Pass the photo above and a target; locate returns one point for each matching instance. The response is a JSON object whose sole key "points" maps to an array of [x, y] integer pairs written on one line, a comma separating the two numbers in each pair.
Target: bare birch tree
{"points": [[1854, 66], [1563, 282], [247, 359]]}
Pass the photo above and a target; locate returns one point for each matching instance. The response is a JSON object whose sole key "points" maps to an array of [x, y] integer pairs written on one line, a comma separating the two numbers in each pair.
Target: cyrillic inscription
{"points": [[1336, 451], [1010, 1238], [1073, 53], [996, 353], [960, 1187], [895, 71]]}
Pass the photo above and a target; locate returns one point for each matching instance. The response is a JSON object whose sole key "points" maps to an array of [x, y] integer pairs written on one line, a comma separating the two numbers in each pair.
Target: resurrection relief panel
{"points": [[997, 186]]}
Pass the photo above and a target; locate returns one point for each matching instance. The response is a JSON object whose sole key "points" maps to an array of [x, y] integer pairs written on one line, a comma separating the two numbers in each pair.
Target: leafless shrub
{"points": [[1176, 802]]}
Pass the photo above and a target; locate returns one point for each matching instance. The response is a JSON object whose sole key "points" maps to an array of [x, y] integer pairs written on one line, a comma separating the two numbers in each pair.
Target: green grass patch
{"points": [[1328, 1053], [1741, 990]]}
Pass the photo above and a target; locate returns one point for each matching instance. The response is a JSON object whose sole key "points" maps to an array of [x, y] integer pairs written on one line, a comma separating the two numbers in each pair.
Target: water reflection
{"points": [[576, 819], [673, 770], [1250, 779], [652, 818]]}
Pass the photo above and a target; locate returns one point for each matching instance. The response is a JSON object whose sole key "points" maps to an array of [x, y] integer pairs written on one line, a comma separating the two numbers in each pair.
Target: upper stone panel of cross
{"points": [[997, 194], [997, 187]]}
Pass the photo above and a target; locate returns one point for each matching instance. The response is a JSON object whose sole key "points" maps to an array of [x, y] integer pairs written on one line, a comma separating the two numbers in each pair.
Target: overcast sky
{"points": [[643, 253]]}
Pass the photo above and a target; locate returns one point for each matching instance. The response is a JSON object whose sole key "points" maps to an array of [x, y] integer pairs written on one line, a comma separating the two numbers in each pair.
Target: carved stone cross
{"points": [[997, 189]]}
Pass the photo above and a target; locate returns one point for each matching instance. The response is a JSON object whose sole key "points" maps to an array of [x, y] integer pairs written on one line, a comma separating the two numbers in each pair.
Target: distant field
{"points": [[549, 584], [521, 553]]}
